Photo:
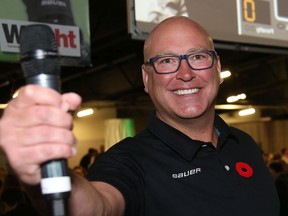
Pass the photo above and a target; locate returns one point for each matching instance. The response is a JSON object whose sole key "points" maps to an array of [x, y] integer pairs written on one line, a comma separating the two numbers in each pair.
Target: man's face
{"points": [[186, 93]]}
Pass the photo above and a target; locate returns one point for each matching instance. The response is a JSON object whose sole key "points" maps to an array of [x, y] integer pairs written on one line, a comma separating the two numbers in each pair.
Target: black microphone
{"points": [[41, 66]]}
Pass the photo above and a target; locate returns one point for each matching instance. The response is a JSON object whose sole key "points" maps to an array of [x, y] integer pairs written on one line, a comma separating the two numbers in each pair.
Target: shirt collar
{"points": [[181, 143]]}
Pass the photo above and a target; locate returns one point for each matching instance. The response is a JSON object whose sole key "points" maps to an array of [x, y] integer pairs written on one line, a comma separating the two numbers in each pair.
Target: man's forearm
{"points": [[81, 201], [85, 198]]}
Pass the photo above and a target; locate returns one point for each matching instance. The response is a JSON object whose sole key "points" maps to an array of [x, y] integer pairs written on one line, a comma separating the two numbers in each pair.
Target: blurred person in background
{"points": [[279, 172], [284, 155], [88, 159]]}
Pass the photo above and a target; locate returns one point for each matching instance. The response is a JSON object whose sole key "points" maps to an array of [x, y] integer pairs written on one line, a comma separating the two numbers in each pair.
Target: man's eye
{"points": [[200, 57], [166, 60]]}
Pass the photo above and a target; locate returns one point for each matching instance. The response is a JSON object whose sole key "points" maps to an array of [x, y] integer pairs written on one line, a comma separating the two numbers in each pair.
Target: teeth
{"points": [[186, 91]]}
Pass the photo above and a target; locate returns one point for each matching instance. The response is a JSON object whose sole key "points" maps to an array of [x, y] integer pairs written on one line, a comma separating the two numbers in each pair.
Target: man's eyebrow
{"points": [[197, 49]]}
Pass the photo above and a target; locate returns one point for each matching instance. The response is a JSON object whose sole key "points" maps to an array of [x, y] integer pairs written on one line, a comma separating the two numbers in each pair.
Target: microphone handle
{"points": [[55, 179], [45, 80]]}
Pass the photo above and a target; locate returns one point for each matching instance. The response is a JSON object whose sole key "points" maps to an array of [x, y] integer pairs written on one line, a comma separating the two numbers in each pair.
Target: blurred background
{"points": [[251, 38]]}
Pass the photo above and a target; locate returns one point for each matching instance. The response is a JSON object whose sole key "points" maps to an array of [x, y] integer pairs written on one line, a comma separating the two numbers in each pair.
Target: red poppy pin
{"points": [[244, 169]]}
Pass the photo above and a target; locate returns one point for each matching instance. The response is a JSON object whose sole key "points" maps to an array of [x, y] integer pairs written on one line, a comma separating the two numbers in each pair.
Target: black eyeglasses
{"points": [[199, 60]]}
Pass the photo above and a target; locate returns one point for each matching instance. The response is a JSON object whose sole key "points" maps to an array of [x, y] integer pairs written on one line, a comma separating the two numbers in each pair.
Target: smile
{"points": [[187, 91]]}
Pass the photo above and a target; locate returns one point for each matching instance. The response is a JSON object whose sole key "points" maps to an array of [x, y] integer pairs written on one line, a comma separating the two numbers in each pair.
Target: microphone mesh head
{"points": [[38, 51]]}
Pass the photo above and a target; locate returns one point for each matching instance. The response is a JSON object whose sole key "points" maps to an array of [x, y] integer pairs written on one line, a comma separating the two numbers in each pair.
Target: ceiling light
{"points": [[245, 112], [232, 99], [85, 112], [230, 106], [225, 74], [3, 106], [15, 94]]}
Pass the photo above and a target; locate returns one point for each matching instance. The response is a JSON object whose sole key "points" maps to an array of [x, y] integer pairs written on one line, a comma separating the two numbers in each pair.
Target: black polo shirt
{"points": [[163, 172]]}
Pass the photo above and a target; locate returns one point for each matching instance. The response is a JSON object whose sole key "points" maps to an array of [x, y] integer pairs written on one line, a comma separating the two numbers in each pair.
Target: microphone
{"points": [[40, 64]]}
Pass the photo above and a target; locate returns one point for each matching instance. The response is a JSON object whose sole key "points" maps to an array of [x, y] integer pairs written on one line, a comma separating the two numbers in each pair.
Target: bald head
{"points": [[170, 28]]}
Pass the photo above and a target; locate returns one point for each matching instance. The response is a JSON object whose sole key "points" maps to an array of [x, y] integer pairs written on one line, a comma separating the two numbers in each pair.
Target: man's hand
{"points": [[36, 127]]}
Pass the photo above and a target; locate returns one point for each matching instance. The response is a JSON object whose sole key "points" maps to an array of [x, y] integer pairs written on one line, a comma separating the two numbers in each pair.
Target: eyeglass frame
{"points": [[152, 60]]}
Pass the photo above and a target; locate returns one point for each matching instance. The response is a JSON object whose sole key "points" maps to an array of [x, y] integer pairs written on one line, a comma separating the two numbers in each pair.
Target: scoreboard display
{"points": [[240, 24], [265, 19]]}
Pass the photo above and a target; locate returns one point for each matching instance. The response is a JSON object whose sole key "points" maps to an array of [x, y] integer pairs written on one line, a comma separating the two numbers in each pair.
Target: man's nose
{"points": [[185, 72]]}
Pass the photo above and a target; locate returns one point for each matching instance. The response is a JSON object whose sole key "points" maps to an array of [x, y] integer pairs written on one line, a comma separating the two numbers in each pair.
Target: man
{"points": [[187, 162], [88, 158], [284, 155], [278, 169]]}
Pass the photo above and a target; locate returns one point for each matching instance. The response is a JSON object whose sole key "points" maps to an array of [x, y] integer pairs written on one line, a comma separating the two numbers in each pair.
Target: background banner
{"points": [[69, 20]]}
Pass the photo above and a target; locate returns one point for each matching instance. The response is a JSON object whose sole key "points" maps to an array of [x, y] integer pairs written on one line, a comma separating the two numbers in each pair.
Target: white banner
{"points": [[67, 37]]}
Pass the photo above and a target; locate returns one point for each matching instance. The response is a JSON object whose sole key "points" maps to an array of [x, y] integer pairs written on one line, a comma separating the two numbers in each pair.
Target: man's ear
{"points": [[221, 79], [219, 69], [145, 77]]}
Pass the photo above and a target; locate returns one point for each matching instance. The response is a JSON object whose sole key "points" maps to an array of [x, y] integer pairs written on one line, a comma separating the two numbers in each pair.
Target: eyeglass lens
{"points": [[171, 63]]}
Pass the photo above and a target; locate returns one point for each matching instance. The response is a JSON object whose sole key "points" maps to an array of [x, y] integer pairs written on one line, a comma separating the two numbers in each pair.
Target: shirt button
{"points": [[227, 167]]}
